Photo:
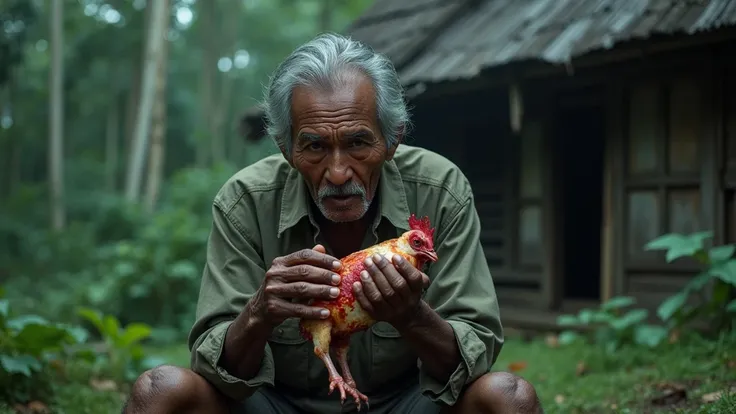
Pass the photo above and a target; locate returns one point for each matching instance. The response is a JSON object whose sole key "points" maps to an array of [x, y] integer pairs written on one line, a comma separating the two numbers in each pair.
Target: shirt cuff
{"points": [[206, 362], [473, 364]]}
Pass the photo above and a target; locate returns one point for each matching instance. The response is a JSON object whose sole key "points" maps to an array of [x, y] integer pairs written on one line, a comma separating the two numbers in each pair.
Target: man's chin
{"points": [[343, 215]]}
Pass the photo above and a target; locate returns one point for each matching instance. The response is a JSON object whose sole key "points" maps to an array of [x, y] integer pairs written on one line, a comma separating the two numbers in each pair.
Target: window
{"points": [[663, 162]]}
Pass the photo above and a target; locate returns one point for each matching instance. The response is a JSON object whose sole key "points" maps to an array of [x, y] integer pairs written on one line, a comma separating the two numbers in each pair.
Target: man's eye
{"points": [[315, 146], [357, 144]]}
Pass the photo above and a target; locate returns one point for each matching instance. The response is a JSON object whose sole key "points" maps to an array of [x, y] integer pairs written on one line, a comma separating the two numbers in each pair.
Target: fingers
{"points": [[389, 281], [416, 279], [305, 273], [319, 248], [362, 299], [310, 257], [284, 309], [302, 290]]}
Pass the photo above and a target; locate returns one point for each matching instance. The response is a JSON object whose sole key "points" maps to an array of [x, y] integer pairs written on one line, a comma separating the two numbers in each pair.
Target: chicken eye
{"points": [[416, 242]]}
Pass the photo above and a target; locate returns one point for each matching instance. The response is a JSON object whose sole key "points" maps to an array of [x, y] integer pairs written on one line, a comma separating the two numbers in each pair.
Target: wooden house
{"points": [[586, 127]]}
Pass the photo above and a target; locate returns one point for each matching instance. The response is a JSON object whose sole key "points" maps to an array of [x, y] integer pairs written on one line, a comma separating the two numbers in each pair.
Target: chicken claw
{"points": [[346, 388]]}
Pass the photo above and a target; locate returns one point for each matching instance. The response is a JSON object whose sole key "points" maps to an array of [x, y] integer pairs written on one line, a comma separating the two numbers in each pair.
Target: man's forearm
{"points": [[245, 344], [433, 340]]}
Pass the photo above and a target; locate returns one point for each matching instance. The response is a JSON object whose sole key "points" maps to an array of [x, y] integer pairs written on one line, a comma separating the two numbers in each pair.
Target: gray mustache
{"points": [[348, 189]]}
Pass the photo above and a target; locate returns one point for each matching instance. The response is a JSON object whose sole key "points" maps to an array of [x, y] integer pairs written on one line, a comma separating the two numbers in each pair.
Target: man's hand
{"points": [[294, 280], [390, 291]]}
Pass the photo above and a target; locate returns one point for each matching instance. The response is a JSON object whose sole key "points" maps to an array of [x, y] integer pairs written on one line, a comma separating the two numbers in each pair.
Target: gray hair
{"points": [[320, 63]]}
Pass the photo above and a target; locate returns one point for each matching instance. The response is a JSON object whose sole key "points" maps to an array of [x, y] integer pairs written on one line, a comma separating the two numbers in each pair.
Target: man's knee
{"points": [[515, 390], [502, 392], [168, 389]]}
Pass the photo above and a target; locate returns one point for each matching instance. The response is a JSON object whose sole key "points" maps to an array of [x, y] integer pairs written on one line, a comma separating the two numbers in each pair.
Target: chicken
{"points": [[347, 316]]}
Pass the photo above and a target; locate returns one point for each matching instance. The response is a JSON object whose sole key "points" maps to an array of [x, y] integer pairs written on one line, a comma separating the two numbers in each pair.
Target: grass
{"points": [[572, 379], [582, 379]]}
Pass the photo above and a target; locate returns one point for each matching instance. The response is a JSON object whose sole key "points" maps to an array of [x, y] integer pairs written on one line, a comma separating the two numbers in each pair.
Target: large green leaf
{"points": [[698, 282], [4, 308], [726, 271], [135, 332], [631, 318], [667, 309], [721, 253], [618, 302], [37, 338], [731, 307], [567, 320], [20, 364], [18, 323], [567, 337], [678, 245], [650, 335]]}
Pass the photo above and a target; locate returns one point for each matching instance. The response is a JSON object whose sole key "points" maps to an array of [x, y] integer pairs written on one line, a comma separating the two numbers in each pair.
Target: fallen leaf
{"points": [[517, 366], [715, 396], [38, 407], [20, 408], [581, 369], [103, 385], [671, 394], [552, 341], [614, 406], [559, 398]]}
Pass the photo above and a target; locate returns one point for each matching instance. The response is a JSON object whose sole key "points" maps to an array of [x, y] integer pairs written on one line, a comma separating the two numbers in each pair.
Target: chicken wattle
{"points": [[347, 316]]}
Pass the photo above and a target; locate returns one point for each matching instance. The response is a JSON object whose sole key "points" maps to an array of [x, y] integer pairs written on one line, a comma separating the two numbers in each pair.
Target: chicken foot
{"points": [[321, 337]]}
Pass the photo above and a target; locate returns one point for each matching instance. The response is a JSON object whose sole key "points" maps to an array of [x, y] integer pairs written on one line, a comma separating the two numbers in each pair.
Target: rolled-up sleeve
{"points": [[462, 292], [233, 272]]}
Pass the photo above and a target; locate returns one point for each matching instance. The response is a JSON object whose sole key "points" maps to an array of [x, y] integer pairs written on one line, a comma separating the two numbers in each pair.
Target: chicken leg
{"points": [[321, 336], [341, 351]]}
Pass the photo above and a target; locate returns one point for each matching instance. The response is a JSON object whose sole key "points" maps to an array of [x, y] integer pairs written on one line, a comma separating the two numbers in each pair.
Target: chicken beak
{"points": [[431, 255]]}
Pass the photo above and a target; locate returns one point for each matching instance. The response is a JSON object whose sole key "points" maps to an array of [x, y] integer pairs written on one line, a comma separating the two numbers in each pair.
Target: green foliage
{"points": [[123, 358], [121, 261], [29, 347], [611, 326], [709, 295]]}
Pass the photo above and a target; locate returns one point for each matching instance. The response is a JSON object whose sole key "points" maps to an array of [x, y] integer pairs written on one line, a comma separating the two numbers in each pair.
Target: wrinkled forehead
{"points": [[351, 95]]}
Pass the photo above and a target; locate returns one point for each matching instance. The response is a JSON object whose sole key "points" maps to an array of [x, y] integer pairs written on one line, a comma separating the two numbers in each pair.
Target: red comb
{"points": [[422, 225]]}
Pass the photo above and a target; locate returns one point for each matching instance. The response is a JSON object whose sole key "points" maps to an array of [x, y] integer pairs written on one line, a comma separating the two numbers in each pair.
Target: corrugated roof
{"points": [[435, 40]]}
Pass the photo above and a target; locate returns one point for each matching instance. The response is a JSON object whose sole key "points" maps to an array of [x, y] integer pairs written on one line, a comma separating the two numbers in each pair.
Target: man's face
{"points": [[338, 146]]}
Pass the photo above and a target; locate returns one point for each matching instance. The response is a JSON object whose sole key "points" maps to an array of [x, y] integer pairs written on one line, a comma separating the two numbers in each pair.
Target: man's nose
{"points": [[338, 172]]}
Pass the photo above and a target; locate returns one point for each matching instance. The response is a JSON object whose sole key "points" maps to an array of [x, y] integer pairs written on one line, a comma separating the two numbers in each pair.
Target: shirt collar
{"points": [[391, 195]]}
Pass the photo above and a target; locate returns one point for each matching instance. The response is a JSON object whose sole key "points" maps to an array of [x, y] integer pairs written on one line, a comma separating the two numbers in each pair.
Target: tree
{"points": [[56, 118]]}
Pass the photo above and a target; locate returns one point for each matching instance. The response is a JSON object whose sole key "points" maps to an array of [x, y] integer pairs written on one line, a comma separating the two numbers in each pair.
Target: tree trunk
{"points": [[112, 144], [56, 118], [158, 132], [205, 145], [154, 45]]}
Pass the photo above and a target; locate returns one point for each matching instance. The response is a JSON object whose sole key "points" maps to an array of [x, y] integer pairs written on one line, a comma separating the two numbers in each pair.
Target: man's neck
{"points": [[346, 238]]}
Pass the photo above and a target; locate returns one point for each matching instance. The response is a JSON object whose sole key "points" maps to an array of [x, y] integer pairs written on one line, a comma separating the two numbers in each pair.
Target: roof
{"points": [[435, 40]]}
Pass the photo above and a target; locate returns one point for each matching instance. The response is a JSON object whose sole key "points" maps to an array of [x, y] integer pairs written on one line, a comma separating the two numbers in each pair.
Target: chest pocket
{"points": [[392, 356], [290, 354]]}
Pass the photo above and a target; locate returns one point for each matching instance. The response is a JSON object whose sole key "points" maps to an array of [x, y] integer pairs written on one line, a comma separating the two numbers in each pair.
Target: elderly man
{"points": [[342, 183]]}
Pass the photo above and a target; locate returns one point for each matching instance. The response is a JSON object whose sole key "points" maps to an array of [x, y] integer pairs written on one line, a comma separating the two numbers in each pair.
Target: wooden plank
{"points": [[710, 111], [617, 139], [609, 225], [552, 226]]}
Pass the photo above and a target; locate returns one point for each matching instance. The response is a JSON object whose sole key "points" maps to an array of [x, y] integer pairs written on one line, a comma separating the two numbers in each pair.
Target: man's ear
{"points": [[399, 139]]}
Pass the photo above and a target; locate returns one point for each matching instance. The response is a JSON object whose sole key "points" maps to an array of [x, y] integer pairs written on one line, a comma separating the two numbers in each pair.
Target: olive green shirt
{"points": [[264, 212]]}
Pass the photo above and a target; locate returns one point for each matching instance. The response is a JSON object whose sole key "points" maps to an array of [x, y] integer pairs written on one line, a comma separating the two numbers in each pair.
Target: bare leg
{"points": [[341, 351]]}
